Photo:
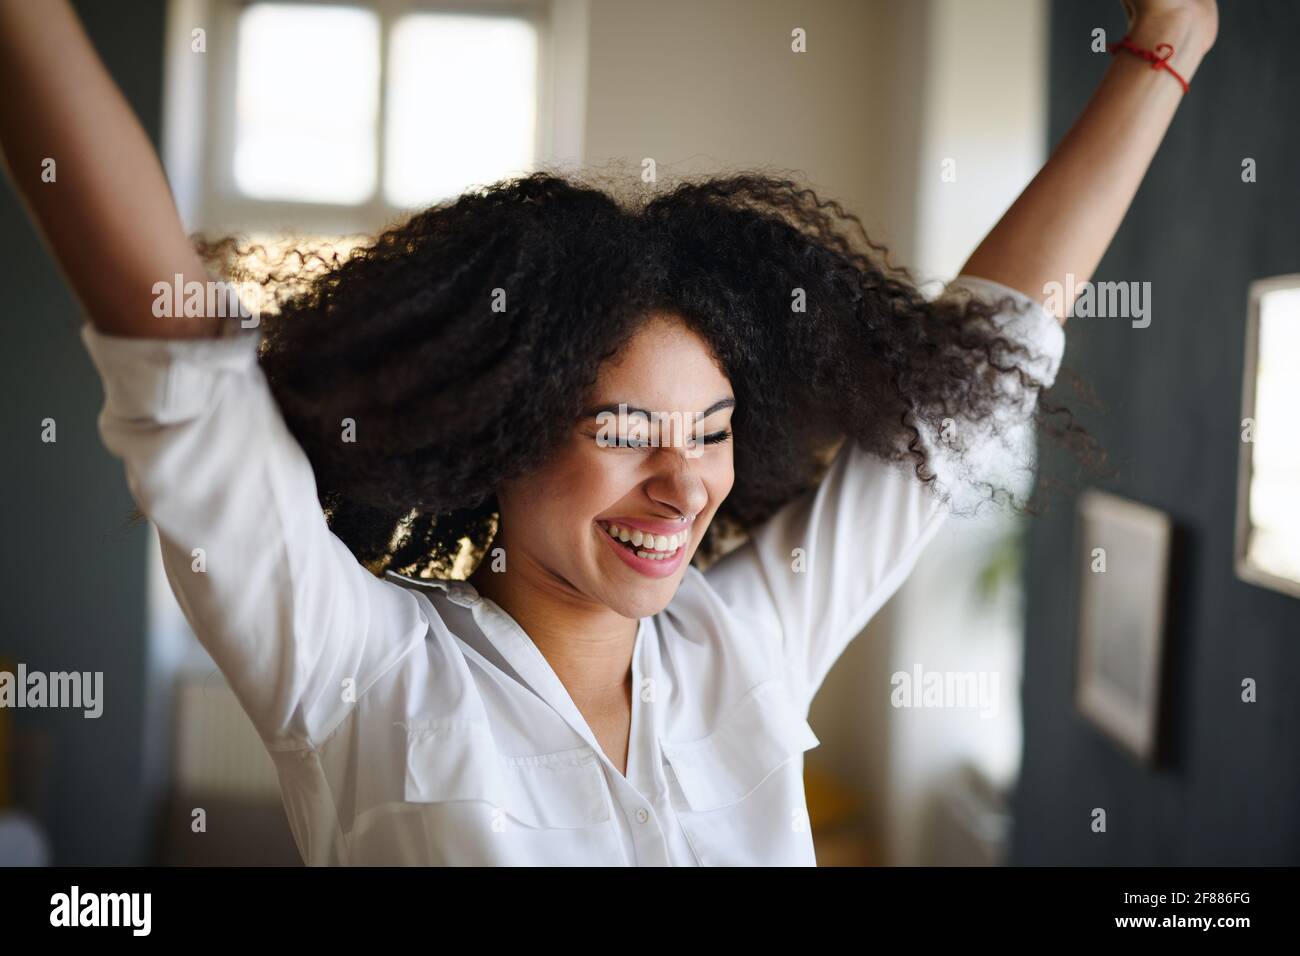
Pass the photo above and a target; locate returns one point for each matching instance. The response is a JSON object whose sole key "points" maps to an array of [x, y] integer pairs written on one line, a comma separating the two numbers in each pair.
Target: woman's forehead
{"points": [[663, 347]]}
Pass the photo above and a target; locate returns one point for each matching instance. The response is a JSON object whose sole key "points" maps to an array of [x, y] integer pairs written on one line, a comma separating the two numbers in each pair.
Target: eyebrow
{"points": [[612, 408]]}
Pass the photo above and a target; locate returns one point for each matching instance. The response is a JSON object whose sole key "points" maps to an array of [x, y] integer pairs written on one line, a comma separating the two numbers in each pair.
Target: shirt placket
{"points": [[642, 821]]}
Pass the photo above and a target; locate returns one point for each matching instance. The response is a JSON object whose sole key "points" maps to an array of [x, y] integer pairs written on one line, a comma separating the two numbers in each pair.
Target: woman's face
{"points": [[556, 523]]}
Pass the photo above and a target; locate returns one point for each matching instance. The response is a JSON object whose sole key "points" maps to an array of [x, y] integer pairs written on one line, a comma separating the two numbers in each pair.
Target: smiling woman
{"points": [[647, 481], [575, 700], [471, 349]]}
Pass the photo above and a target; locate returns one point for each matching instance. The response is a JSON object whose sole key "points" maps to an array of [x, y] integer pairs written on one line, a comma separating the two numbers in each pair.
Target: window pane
{"points": [[462, 104], [1274, 542], [307, 102]]}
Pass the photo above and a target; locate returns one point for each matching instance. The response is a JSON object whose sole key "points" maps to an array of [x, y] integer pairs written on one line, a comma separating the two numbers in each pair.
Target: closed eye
{"points": [[717, 438]]}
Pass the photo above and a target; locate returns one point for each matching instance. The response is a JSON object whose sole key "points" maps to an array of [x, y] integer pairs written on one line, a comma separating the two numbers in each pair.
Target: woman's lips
{"points": [[650, 567]]}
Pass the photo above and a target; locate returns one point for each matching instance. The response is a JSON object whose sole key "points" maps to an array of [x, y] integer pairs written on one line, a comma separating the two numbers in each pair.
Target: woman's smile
{"points": [[654, 555]]}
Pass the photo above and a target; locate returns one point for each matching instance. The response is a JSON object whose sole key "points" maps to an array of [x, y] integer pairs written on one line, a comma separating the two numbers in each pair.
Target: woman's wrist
{"points": [[1188, 35]]}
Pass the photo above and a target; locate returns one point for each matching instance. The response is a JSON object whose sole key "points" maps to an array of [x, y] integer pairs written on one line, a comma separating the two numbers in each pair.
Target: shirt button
{"points": [[641, 815]]}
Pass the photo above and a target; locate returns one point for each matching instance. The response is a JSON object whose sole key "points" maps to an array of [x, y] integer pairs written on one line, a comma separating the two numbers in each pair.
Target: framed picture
{"points": [[1123, 587], [1267, 545]]}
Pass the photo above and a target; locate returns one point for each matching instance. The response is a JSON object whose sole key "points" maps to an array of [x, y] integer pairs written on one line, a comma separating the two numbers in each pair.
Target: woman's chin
{"points": [[647, 605], [633, 596]]}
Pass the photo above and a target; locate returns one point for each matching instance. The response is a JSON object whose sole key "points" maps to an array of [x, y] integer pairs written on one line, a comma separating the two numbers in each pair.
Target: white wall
{"points": [[985, 109], [704, 86]]}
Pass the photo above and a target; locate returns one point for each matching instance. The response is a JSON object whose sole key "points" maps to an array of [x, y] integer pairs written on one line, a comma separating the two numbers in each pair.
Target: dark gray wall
{"points": [[74, 575], [1228, 791]]}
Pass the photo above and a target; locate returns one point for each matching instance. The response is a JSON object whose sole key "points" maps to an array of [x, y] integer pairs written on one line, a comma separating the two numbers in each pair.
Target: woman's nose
{"points": [[677, 484]]}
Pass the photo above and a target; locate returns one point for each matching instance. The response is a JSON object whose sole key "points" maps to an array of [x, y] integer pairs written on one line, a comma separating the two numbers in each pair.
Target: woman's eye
{"points": [[626, 441]]}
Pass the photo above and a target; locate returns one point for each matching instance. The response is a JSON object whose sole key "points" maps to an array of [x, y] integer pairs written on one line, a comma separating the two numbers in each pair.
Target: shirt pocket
{"points": [[738, 792], [480, 807]]}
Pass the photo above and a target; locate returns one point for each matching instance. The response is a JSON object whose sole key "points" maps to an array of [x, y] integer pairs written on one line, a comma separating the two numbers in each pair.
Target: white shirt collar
{"points": [[513, 643]]}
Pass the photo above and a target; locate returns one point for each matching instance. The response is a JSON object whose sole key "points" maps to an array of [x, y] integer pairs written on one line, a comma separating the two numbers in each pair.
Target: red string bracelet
{"points": [[1159, 57]]}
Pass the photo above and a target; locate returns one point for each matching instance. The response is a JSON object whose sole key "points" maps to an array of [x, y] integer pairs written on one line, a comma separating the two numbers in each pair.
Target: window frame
{"points": [[199, 110]]}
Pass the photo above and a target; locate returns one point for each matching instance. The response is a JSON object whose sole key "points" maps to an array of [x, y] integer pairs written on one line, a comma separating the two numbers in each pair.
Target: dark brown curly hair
{"points": [[451, 393]]}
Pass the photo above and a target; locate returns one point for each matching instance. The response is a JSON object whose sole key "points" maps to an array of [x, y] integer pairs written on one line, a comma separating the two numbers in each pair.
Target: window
{"points": [[326, 119], [462, 104], [306, 103]]}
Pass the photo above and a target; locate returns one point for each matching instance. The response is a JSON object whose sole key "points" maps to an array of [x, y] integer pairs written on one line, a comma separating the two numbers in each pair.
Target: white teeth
{"points": [[663, 545]]}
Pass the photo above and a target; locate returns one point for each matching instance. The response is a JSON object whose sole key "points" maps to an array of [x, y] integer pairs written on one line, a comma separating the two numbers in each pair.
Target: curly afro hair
{"points": [[463, 342]]}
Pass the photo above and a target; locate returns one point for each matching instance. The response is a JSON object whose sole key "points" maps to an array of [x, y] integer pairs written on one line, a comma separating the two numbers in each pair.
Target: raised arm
{"points": [[108, 214], [1067, 216], [297, 626]]}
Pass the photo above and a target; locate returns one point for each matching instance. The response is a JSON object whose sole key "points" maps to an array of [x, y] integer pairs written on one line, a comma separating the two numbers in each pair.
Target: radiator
{"points": [[216, 748], [970, 825]]}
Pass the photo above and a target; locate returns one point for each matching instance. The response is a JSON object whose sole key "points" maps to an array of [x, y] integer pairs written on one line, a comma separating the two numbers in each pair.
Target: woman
{"points": [[590, 694]]}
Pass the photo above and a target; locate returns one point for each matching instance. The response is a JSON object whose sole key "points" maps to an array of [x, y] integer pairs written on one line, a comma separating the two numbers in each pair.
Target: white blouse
{"points": [[414, 722]]}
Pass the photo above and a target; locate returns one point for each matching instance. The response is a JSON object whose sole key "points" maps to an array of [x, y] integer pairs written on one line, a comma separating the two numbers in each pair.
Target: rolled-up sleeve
{"points": [[814, 574], [297, 626]]}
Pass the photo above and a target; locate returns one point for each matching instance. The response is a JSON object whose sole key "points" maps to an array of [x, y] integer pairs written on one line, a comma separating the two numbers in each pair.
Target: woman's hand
{"points": [[1196, 21]]}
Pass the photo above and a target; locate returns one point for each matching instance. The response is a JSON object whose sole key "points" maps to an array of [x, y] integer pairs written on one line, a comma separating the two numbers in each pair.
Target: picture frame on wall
{"points": [[1123, 604]]}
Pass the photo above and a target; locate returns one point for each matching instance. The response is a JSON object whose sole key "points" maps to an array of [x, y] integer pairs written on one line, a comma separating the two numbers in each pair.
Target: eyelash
{"points": [[717, 438]]}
